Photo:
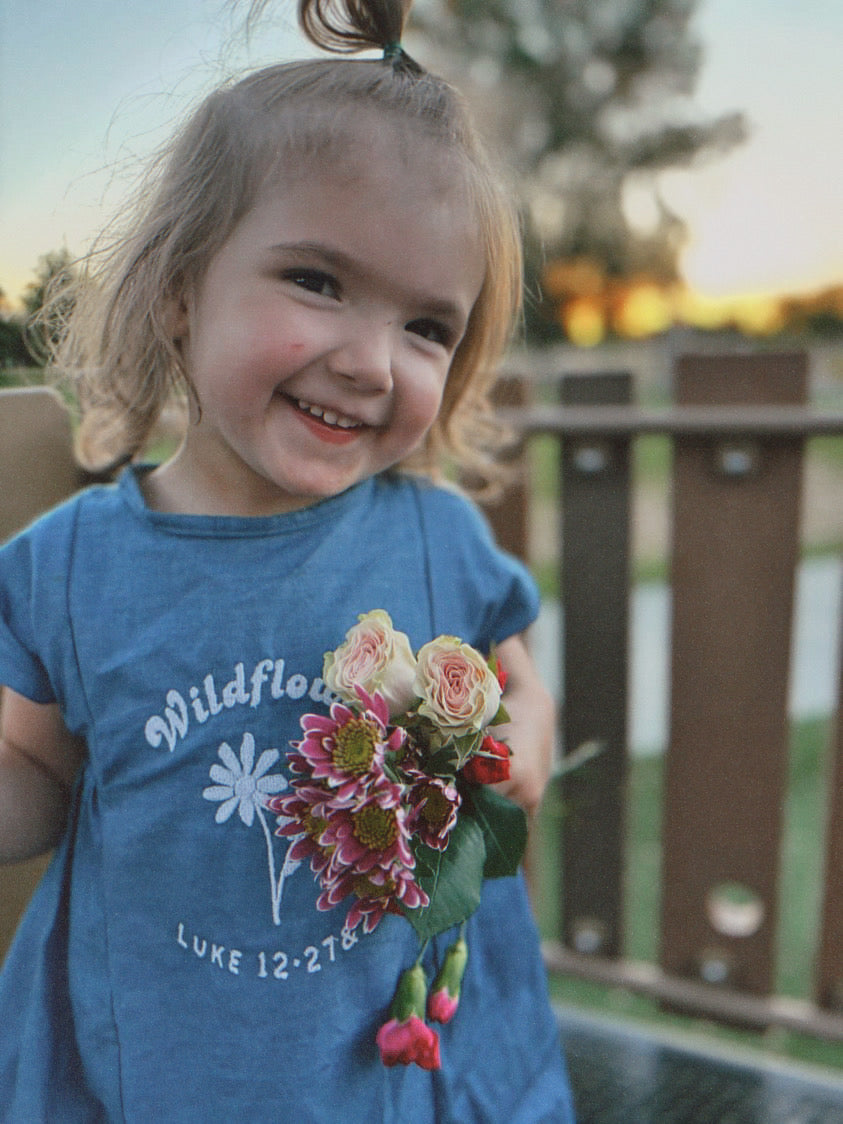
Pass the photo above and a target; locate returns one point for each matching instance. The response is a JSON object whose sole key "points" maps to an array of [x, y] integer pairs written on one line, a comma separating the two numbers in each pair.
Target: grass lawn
{"points": [[800, 889]]}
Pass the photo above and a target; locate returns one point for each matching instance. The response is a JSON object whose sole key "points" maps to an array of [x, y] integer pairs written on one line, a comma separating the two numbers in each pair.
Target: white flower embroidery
{"points": [[245, 786], [238, 786]]}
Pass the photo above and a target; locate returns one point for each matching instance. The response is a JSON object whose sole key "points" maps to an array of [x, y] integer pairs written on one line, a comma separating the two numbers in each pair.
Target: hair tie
{"points": [[401, 62]]}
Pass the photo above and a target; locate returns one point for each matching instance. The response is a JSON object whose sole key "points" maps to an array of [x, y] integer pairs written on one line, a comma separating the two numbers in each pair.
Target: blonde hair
{"points": [[117, 346]]}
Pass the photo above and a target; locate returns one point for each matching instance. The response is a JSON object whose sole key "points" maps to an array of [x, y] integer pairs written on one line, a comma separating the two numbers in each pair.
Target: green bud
{"points": [[453, 969], [410, 995]]}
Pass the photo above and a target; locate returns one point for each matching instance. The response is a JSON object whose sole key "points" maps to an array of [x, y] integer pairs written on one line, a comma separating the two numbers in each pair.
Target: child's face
{"points": [[320, 338]]}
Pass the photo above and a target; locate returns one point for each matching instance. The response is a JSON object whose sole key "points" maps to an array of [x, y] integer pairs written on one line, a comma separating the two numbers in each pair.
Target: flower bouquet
{"points": [[391, 803]]}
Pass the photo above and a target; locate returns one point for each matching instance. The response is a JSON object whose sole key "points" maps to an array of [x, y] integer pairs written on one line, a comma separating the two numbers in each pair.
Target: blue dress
{"points": [[172, 965]]}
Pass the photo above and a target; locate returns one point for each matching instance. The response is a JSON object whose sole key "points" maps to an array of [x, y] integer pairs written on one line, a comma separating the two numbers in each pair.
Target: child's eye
{"points": [[314, 281], [433, 330]]}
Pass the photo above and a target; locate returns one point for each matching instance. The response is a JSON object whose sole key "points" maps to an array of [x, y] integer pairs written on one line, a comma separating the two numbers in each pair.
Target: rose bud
{"points": [[490, 763]]}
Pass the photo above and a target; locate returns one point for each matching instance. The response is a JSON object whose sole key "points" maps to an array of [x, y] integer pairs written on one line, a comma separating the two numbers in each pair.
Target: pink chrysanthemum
{"points": [[346, 749], [378, 893], [369, 832], [357, 839], [434, 804], [303, 814]]}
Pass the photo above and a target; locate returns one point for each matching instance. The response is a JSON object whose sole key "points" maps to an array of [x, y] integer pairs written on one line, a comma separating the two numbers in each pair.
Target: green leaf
{"points": [[443, 763], [452, 879], [501, 717], [466, 745], [504, 828]]}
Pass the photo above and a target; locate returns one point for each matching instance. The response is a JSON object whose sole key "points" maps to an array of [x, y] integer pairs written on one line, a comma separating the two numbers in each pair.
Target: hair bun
{"points": [[347, 26]]}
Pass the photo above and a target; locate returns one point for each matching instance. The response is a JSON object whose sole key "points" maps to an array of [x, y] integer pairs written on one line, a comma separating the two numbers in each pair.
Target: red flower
{"points": [[489, 764], [441, 1006], [444, 996], [501, 674], [409, 1042], [406, 1039]]}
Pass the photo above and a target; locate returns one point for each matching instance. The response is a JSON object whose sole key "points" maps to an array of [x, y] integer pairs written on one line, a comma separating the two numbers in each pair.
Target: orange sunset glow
{"points": [[591, 306]]}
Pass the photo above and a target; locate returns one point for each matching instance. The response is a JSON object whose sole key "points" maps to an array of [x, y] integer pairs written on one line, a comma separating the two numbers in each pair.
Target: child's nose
{"points": [[365, 356]]}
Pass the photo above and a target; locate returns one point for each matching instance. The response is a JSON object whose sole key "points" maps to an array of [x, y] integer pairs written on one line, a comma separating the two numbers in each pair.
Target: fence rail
{"points": [[738, 428]]}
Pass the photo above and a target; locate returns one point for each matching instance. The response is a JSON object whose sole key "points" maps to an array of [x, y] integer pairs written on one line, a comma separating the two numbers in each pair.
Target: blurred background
{"points": [[679, 160]]}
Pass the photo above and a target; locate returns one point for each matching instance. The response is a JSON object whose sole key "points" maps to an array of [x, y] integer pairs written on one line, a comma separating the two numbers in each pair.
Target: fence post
{"points": [[736, 524], [829, 983], [595, 598]]}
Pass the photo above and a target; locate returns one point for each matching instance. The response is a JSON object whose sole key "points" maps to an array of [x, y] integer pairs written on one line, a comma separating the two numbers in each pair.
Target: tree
{"points": [[588, 99], [48, 302], [13, 349]]}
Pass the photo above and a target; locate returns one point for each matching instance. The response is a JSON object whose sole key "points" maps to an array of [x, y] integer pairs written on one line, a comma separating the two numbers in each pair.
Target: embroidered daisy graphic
{"points": [[242, 784], [245, 786]]}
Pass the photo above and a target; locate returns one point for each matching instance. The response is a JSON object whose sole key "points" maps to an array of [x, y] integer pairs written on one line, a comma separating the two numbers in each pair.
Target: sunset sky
{"points": [[88, 87]]}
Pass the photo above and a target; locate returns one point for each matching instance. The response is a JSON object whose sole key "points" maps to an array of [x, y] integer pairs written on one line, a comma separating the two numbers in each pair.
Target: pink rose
{"points": [[409, 1042], [376, 657], [457, 688]]}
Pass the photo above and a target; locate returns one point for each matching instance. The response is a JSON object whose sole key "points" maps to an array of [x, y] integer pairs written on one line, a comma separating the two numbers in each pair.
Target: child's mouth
{"points": [[327, 425], [327, 417]]}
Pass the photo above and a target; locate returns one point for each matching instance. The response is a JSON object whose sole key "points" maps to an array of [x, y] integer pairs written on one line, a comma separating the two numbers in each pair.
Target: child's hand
{"points": [[38, 762], [530, 733]]}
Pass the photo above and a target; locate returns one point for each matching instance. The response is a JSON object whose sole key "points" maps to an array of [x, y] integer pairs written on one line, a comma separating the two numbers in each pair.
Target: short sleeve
{"points": [[21, 669], [473, 581], [35, 635]]}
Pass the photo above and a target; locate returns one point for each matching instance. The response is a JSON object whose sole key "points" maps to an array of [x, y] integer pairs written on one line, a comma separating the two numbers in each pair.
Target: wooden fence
{"points": [[738, 428]]}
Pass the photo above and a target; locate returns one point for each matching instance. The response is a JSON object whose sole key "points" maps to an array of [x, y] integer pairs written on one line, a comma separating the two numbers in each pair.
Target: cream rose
{"points": [[376, 657], [457, 689]]}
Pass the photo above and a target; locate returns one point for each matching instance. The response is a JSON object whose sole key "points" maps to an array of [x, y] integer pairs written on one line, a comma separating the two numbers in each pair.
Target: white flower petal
{"points": [[218, 792], [226, 810], [227, 754], [265, 762], [223, 776], [273, 783], [247, 753], [247, 810]]}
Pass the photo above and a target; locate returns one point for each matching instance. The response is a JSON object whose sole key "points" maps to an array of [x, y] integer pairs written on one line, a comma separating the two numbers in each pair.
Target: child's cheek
{"points": [[275, 356]]}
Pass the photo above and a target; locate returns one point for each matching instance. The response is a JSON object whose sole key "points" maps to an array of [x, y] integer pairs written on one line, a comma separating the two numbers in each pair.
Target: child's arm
{"points": [[530, 734], [38, 762]]}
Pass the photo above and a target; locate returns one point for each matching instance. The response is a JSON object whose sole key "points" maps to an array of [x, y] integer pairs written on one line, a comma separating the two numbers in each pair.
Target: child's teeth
{"points": [[327, 416]]}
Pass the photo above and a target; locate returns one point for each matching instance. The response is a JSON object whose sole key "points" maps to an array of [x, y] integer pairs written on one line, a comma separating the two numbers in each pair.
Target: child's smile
{"points": [[320, 338], [326, 423]]}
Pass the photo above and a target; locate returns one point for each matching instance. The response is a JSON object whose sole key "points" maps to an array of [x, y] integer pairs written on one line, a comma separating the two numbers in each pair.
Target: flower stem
{"points": [[274, 891], [422, 951]]}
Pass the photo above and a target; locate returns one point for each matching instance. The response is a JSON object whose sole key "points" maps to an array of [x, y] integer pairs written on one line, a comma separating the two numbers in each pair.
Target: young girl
{"points": [[327, 267]]}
